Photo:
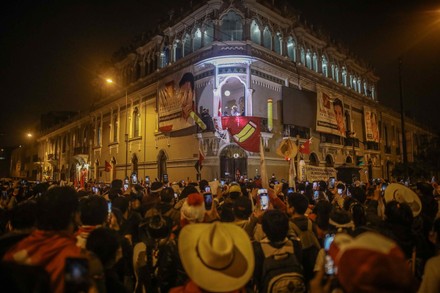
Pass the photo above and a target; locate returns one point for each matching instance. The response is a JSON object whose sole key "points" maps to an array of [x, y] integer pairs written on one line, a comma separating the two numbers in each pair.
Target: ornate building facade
{"points": [[211, 77]]}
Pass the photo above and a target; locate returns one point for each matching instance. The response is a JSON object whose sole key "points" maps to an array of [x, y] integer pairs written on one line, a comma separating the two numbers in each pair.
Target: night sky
{"points": [[52, 50]]}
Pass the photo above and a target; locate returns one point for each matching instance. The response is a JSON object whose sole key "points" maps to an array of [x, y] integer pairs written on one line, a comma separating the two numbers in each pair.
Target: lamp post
{"points": [[402, 122], [110, 81]]}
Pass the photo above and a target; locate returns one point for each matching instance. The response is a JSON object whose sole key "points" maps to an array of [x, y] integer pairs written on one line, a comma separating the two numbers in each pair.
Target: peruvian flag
{"points": [[305, 147]]}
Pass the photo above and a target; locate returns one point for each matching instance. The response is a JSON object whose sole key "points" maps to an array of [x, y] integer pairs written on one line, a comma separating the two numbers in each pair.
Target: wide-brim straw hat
{"points": [[218, 257], [403, 194]]}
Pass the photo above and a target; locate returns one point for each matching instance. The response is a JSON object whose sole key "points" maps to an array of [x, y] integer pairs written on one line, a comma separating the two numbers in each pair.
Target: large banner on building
{"points": [[330, 116], [371, 125], [175, 103]]}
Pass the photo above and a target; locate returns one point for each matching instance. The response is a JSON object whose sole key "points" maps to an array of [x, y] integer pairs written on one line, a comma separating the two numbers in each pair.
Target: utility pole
{"points": [[402, 122]]}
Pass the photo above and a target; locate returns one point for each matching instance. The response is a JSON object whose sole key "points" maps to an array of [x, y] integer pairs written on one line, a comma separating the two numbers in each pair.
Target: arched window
{"points": [[313, 160], [134, 164], [197, 39], [291, 49], [187, 48], [164, 57], [231, 27], [208, 33], [353, 82], [98, 132], [161, 164], [115, 127], [324, 66], [178, 50], [315, 62], [303, 56], [277, 43], [255, 33], [309, 60], [337, 74], [136, 122], [267, 38], [359, 87], [347, 121], [344, 76], [329, 162]]}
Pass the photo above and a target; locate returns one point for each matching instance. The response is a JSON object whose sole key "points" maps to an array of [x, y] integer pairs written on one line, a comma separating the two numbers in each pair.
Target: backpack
{"points": [[282, 273], [310, 248]]}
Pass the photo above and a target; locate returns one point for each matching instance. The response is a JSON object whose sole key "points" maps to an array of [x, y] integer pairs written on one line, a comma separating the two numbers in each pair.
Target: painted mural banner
{"points": [[314, 173], [371, 125], [176, 107], [245, 131], [330, 116]]}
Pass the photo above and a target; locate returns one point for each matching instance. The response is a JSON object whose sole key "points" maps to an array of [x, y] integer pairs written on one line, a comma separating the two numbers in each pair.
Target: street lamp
{"points": [[110, 81]]}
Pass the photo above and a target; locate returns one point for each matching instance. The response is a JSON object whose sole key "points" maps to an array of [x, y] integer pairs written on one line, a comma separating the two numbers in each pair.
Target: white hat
{"points": [[403, 194], [218, 257]]}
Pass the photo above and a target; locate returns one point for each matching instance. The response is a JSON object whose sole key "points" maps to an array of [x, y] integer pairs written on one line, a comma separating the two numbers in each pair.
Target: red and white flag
{"points": [[305, 147], [108, 167]]}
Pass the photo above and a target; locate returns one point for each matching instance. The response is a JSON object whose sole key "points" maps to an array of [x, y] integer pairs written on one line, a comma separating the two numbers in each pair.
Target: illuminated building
{"points": [[229, 60]]}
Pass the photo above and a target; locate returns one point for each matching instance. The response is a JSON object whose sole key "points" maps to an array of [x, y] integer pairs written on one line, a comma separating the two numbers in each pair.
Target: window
{"points": [[187, 48], [64, 144], [136, 122], [315, 62], [267, 38], [231, 27], [309, 60], [163, 61], [277, 43], [344, 76], [324, 66], [98, 132], [291, 49], [115, 127], [303, 56], [208, 34], [197, 39], [337, 74], [255, 33], [178, 50]]}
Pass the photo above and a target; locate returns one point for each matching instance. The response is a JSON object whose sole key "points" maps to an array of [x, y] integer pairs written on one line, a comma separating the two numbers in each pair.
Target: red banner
{"points": [[245, 131]]}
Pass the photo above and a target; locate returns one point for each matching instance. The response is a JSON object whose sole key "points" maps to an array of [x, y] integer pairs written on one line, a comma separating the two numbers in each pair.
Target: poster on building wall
{"points": [[314, 173], [371, 125], [330, 116], [175, 104]]}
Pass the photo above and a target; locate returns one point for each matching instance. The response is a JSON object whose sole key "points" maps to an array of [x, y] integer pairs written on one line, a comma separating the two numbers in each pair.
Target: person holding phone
{"points": [[52, 243]]}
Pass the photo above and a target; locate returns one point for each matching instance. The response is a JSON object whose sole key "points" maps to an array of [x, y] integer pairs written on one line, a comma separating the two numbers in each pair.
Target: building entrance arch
{"points": [[233, 163]]}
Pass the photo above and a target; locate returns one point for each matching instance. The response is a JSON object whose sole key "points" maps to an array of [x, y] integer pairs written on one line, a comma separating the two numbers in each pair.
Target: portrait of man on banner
{"points": [[176, 106], [371, 125], [330, 117]]}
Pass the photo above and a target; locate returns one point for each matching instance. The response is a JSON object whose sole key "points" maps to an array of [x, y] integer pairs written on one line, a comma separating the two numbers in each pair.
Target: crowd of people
{"points": [[212, 236]]}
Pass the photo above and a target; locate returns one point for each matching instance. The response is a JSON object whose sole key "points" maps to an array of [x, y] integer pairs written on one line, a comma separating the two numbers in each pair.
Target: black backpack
{"points": [[310, 248], [282, 271]]}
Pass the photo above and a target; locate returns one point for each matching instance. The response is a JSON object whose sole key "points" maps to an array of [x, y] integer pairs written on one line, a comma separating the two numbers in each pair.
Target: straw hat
{"points": [[401, 193], [218, 257]]}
